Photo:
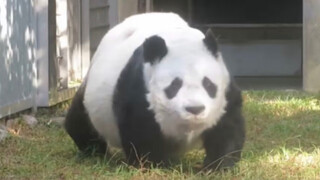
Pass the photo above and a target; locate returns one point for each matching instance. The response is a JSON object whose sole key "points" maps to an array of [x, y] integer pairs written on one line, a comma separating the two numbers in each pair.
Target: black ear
{"points": [[211, 42], [154, 48]]}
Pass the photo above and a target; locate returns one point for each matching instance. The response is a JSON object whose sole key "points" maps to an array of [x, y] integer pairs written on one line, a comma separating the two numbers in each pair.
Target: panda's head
{"points": [[186, 80]]}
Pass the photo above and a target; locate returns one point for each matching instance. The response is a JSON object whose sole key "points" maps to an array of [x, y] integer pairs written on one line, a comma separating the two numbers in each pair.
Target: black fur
{"points": [[172, 90], [210, 87], [195, 109], [154, 48], [140, 134], [223, 143], [211, 42], [79, 127]]}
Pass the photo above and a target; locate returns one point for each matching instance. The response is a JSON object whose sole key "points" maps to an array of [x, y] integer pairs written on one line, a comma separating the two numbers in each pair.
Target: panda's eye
{"points": [[172, 90], [210, 87]]}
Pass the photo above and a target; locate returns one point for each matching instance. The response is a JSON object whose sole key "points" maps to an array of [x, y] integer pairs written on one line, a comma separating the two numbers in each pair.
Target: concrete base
{"points": [[269, 83]]}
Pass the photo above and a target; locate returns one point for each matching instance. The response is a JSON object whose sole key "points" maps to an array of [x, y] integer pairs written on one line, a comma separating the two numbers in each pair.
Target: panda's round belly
{"points": [[98, 98], [99, 107], [109, 60]]}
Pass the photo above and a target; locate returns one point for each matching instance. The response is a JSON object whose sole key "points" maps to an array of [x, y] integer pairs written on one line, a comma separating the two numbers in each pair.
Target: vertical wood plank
{"points": [[311, 45]]}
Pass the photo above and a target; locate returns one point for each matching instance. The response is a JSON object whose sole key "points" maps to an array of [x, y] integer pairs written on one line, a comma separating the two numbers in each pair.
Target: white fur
{"points": [[187, 58], [114, 51]]}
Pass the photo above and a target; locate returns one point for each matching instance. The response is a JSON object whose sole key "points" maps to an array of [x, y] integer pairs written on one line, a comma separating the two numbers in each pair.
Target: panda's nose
{"points": [[195, 109]]}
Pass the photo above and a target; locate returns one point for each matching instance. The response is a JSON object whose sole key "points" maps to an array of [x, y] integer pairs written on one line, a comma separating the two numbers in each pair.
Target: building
{"points": [[46, 45]]}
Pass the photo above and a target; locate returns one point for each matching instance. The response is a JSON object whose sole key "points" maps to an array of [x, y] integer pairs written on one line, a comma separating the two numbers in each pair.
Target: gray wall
{"points": [[268, 58], [104, 14], [77, 57], [127, 8], [99, 22], [17, 55]]}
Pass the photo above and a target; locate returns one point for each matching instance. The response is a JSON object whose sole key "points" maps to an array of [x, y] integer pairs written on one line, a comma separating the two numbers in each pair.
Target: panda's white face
{"points": [[187, 88]]}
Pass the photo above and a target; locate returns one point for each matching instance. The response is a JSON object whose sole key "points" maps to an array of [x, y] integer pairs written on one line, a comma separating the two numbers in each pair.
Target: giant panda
{"points": [[157, 88]]}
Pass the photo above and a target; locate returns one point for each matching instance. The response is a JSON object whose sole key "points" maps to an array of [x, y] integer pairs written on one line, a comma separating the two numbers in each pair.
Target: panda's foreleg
{"points": [[80, 129], [143, 145], [223, 143]]}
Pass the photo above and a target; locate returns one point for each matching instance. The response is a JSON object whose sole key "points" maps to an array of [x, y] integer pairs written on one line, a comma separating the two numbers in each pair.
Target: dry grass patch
{"points": [[283, 140]]}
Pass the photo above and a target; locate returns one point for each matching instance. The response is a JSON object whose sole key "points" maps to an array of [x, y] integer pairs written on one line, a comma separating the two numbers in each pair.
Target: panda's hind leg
{"points": [[80, 129]]}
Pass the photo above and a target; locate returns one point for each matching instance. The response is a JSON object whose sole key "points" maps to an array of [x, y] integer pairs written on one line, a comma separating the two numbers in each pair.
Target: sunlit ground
{"points": [[283, 142]]}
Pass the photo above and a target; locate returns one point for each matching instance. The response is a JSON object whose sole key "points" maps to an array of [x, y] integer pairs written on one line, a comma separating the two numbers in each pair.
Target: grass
{"points": [[283, 142]]}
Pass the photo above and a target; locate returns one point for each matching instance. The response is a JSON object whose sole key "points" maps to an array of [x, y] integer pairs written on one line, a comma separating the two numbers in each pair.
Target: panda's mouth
{"points": [[191, 125], [193, 119]]}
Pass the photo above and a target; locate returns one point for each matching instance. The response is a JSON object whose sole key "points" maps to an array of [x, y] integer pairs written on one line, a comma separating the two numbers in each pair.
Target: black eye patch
{"points": [[210, 87], [172, 90]]}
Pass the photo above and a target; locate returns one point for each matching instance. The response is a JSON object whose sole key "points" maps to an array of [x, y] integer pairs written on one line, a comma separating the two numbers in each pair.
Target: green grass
{"points": [[283, 142]]}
